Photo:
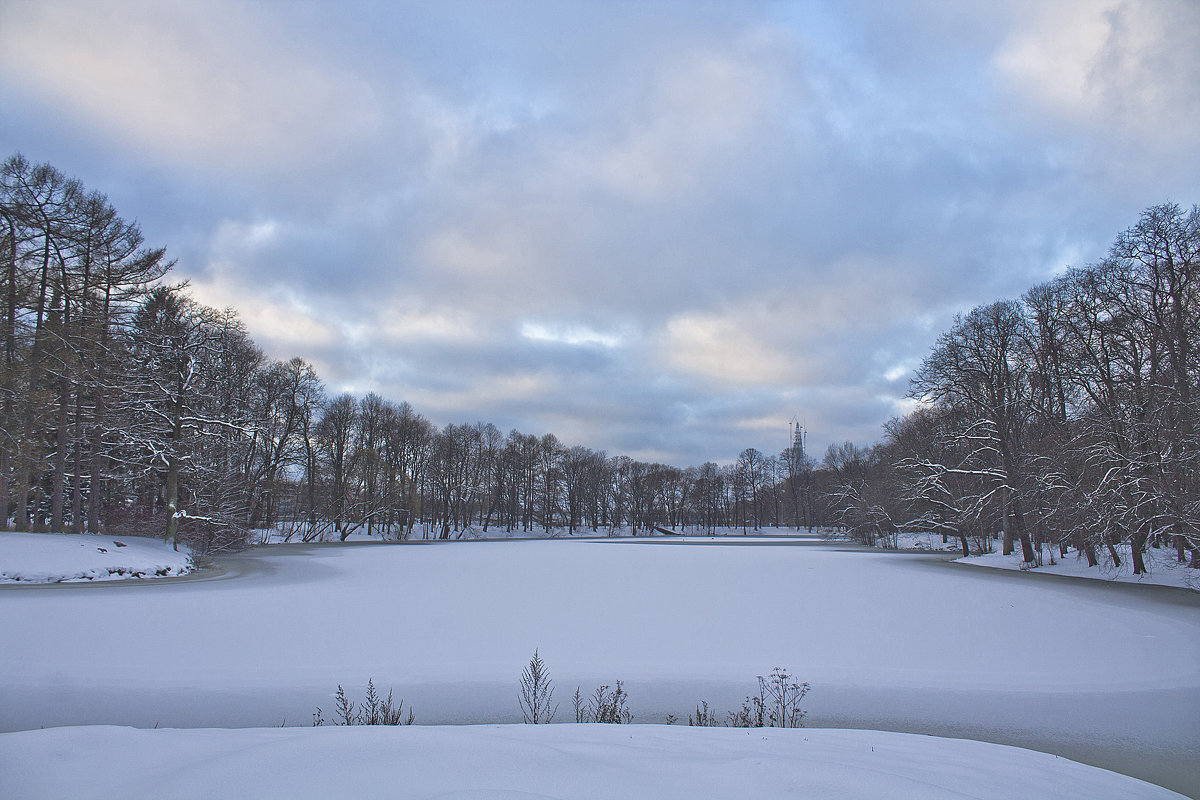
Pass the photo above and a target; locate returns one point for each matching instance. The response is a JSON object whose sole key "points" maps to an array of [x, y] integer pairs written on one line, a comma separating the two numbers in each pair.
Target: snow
{"points": [[925, 541], [599, 609], [1103, 673], [1164, 567], [540, 761], [65, 558]]}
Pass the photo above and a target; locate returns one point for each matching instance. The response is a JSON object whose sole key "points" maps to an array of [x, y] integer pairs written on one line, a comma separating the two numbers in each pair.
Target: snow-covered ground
{"points": [[1100, 673], [925, 541], [64, 558], [542, 761], [1165, 569]]}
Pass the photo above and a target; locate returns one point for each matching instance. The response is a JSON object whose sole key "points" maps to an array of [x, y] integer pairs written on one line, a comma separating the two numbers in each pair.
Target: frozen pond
{"points": [[1104, 674]]}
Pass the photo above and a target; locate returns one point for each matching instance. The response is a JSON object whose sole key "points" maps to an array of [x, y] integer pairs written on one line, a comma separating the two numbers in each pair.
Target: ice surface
{"points": [[1104, 673], [652, 609]]}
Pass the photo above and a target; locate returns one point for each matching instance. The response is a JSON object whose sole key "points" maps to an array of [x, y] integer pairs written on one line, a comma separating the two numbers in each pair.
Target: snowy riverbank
{"points": [[545, 761], [1165, 568], [71, 557]]}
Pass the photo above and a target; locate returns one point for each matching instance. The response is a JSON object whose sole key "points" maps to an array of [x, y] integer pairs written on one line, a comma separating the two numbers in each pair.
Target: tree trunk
{"points": [[94, 492], [59, 481], [37, 522], [77, 481], [4, 499], [99, 400], [1137, 546], [1087, 547], [1018, 519], [1007, 547], [21, 514], [98, 459], [171, 495], [1112, 551], [10, 380]]}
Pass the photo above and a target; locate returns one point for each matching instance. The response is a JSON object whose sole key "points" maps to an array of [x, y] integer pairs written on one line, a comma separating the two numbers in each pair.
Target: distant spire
{"points": [[798, 439]]}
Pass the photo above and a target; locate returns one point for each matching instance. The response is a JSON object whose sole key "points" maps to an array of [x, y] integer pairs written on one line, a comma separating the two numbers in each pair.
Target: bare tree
{"points": [[977, 367]]}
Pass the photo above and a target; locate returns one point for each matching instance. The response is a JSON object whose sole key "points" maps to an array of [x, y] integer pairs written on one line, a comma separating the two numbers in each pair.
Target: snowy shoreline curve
{"points": [[544, 761], [46, 558]]}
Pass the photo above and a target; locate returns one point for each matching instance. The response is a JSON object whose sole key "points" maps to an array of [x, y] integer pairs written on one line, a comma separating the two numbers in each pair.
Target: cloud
{"points": [[662, 231], [1129, 68], [724, 349], [572, 334], [459, 254], [235, 239], [214, 82], [279, 321], [404, 322], [697, 115]]}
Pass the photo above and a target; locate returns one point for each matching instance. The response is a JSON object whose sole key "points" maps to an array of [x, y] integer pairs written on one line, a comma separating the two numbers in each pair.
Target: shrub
{"points": [[374, 710], [780, 695], [609, 706], [537, 693], [605, 705], [704, 717], [777, 705]]}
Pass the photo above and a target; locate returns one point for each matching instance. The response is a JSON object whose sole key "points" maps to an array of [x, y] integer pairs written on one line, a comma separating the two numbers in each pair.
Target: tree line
{"points": [[127, 406], [1067, 418]]}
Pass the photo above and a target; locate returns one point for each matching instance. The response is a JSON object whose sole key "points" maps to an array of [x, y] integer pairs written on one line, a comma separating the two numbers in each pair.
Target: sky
{"points": [[664, 229]]}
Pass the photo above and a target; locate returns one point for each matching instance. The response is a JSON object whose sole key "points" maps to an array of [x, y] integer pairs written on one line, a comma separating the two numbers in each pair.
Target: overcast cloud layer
{"points": [[658, 228]]}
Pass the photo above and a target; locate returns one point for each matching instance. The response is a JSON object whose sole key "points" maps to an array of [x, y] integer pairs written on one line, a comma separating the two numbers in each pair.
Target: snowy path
{"points": [[1105, 674]]}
